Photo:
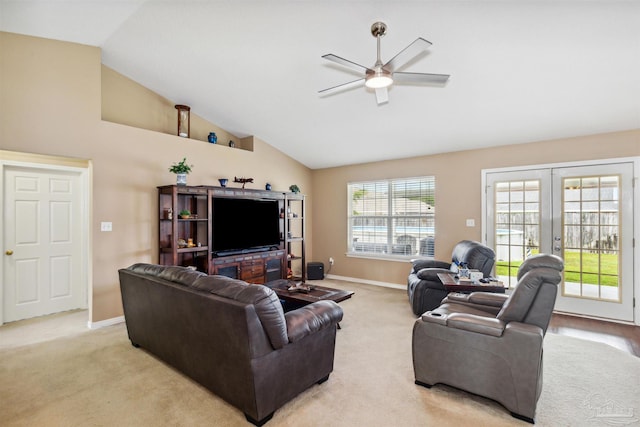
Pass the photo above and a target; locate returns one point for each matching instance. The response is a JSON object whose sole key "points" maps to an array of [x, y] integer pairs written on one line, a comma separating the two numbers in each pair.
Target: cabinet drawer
{"points": [[252, 270]]}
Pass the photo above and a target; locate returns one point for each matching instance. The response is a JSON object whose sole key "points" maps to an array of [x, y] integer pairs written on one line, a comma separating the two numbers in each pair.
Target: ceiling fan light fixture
{"points": [[379, 80]]}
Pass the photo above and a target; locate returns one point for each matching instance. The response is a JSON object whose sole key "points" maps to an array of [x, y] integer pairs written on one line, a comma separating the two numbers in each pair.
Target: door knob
{"points": [[9, 252]]}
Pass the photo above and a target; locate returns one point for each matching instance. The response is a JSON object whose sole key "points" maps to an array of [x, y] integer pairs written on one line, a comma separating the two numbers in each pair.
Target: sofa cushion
{"points": [[266, 303], [175, 274]]}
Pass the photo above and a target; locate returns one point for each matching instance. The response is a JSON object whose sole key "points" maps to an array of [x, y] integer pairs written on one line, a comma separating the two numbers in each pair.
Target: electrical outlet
{"points": [[106, 226], [331, 261]]}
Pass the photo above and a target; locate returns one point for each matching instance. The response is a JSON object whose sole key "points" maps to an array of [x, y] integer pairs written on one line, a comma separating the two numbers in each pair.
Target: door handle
{"points": [[9, 252]]}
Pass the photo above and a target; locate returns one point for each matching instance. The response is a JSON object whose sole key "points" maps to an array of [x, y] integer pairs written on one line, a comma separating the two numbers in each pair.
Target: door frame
{"points": [[43, 162], [636, 208]]}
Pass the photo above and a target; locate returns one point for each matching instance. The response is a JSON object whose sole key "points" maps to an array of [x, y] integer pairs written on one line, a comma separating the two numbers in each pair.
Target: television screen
{"points": [[240, 224]]}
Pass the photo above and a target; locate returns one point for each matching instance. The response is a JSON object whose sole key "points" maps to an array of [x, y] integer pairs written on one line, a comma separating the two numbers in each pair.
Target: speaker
{"points": [[315, 271]]}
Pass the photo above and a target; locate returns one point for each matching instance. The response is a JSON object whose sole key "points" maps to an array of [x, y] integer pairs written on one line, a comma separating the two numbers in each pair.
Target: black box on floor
{"points": [[315, 271]]}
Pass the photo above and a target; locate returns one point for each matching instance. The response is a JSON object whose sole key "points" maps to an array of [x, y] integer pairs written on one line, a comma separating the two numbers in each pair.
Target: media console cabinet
{"points": [[187, 241]]}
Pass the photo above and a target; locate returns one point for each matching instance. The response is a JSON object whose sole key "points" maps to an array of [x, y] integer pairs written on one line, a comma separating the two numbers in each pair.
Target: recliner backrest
{"points": [[533, 298], [476, 255]]}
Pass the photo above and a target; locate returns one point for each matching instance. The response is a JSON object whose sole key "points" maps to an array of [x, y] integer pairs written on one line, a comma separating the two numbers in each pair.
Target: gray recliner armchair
{"points": [[491, 344], [425, 289]]}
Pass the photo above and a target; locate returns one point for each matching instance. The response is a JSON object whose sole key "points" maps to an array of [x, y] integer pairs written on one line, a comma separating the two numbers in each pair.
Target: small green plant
{"points": [[294, 188], [185, 212], [181, 167]]}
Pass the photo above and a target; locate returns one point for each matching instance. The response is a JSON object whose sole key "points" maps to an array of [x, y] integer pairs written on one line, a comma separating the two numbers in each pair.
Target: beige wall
{"points": [[126, 102], [51, 105], [458, 194]]}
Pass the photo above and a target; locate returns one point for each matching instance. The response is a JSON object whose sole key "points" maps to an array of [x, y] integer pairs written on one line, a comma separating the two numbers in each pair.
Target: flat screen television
{"points": [[241, 225]]}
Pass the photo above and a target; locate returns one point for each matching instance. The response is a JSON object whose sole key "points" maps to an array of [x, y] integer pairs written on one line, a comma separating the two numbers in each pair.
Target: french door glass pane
{"points": [[517, 226], [590, 233]]}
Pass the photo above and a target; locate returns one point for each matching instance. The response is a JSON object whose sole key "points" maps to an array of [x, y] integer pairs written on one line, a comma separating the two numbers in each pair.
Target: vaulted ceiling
{"points": [[521, 71]]}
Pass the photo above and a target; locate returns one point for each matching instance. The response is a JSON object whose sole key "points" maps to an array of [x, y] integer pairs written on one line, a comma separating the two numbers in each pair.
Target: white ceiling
{"points": [[521, 71]]}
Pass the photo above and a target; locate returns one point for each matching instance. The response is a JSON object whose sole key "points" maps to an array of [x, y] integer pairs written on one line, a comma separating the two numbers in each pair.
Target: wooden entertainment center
{"points": [[188, 241]]}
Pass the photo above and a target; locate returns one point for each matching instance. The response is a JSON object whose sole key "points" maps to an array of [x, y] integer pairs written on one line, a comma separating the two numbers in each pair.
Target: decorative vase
{"points": [[213, 138], [267, 187], [181, 178], [232, 144], [223, 182]]}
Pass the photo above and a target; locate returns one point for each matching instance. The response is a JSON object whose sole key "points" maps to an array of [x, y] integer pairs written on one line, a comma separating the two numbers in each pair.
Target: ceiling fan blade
{"points": [[419, 45], [346, 63], [341, 87], [382, 95], [420, 78]]}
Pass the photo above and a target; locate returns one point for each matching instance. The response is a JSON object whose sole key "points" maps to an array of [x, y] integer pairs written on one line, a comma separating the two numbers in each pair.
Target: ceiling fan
{"points": [[381, 76]]}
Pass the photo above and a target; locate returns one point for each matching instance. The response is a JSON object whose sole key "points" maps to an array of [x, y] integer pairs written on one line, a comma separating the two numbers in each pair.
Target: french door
{"points": [[584, 214]]}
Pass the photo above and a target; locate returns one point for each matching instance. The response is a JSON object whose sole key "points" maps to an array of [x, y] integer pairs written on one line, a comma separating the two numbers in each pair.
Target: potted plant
{"points": [[181, 169], [185, 214], [294, 189]]}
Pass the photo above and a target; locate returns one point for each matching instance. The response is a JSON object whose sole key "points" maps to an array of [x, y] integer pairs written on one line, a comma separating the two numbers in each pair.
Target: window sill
{"points": [[384, 257]]}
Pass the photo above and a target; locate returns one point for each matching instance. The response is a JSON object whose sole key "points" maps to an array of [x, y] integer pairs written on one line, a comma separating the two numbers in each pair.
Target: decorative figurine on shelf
{"points": [[267, 187], [181, 169], [223, 182], [212, 138], [242, 180], [294, 189], [232, 144]]}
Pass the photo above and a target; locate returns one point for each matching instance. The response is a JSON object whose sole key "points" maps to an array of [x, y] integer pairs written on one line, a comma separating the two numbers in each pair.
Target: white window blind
{"points": [[392, 217]]}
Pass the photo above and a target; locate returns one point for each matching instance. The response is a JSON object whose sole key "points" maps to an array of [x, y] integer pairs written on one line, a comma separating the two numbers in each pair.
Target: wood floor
{"points": [[623, 337]]}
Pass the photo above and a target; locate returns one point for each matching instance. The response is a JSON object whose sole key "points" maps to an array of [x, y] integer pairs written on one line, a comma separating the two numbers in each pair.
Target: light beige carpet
{"points": [[96, 378]]}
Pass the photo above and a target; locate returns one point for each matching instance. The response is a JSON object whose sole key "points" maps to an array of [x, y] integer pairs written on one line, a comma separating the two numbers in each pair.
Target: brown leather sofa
{"points": [[491, 344], [229, 336]]}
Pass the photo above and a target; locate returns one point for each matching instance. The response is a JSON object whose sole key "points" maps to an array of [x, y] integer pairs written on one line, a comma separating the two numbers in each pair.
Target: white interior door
{"points": [[583, 214], [43, 268]]}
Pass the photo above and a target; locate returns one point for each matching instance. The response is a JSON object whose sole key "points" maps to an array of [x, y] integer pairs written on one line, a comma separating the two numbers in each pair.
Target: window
{"points": [[392, 217]]}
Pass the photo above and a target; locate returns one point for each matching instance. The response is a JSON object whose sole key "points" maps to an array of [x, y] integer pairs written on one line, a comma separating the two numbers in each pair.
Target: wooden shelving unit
{"points": [[194, 231], [187, 242], [294, 229]]}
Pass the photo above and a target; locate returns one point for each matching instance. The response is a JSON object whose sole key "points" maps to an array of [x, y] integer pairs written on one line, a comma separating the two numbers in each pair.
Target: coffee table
{"points": [[452, 284], [318, 293]]}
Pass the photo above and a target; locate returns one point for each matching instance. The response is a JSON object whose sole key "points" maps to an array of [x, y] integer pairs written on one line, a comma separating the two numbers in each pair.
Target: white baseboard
{"points": [[104, 323], [367, 282]]}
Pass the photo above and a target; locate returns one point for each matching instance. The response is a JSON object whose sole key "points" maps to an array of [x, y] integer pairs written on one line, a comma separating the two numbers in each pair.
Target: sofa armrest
{"points": [[312, 318]]}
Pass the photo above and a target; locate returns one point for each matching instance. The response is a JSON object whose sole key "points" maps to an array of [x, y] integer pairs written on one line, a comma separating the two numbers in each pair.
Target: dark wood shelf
{"points": [[254, 267]]}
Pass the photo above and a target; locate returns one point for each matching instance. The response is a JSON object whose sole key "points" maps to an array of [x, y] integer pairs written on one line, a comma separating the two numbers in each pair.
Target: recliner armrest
{"points": [[419, 264], [478, 324], [431, 274], [311, 318], [485, 301], [468, 322]]}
